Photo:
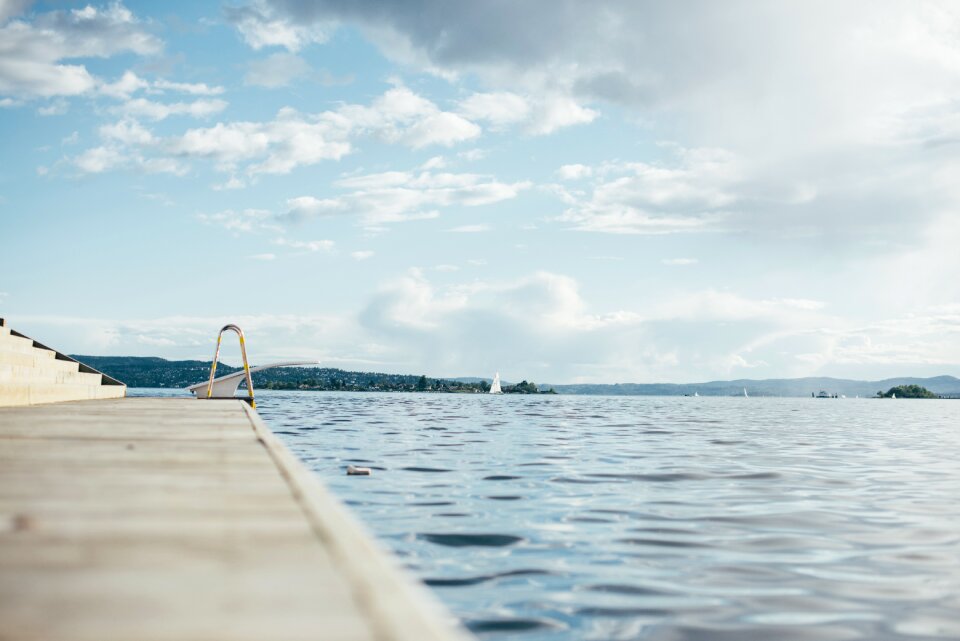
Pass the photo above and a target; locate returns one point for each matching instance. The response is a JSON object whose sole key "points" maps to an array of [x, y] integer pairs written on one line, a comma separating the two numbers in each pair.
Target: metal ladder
{"points": [[246, 366]]}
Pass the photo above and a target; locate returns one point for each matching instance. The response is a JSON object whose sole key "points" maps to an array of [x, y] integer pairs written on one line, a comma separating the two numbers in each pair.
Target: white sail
{"points": [[495, 385], [745, 391]]}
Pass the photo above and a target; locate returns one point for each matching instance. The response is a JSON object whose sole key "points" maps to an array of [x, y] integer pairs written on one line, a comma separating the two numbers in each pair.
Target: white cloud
{"points": [[362, 254], [640, 198], [558, 111], [679, 262], [100, 159], [276, 70], [280, 146], [437, 162], [192, 88], [574, 172], [497, 108], [266, 256], [401, 116], [32, 54], [393, 197], [851, 109], [542, 114], [129, 83], [143, 108], [127, 132], [293, 139], [261, 26]]}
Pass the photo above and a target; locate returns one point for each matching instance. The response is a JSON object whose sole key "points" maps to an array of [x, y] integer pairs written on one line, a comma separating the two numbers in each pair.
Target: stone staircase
{"points": [[32, 373]]}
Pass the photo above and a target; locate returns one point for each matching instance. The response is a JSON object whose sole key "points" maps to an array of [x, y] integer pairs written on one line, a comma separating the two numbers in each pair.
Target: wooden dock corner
{"points": [[175, 519]]}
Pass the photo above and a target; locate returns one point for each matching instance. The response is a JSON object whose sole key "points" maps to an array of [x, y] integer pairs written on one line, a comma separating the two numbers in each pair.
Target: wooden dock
{"points": [[176, 519]]}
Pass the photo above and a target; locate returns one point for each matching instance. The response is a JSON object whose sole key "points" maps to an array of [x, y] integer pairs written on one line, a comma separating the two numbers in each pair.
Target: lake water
{"points": [[723, 519]]}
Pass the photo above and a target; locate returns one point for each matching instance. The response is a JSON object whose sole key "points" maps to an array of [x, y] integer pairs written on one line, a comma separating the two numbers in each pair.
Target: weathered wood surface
{"points": [[136, 519]]}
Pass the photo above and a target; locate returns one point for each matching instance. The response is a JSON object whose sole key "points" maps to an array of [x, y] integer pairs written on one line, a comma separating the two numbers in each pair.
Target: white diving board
{"points": [[226, 386]]}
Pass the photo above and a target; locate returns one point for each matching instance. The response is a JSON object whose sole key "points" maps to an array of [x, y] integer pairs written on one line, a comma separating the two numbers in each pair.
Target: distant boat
{"points": [[894, 395], [495, 385], [695, 394], [745, 392]]}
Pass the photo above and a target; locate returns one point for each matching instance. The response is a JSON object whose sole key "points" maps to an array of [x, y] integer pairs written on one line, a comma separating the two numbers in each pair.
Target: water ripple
{"points": [[665, 519]]}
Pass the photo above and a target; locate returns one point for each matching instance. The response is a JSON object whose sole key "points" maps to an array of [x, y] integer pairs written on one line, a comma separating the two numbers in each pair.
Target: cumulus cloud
{"points": [[260, 25], [33, 53], [404, 117], [128, 132], [143, 108], [99, 159], [692, 194], [293, 139], [192, 88], [498, 108], [276, 147], [574, 172], [842, 106], [130, 83], [398, 196], [542, 114], [539, 326], [542, 327]]}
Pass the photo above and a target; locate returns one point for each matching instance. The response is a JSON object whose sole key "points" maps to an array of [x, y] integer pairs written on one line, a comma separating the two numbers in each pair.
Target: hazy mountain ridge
{"points": [[948, 385]]}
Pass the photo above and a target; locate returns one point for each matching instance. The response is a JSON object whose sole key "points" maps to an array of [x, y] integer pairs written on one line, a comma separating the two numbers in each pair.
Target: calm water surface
{"points": [[561, 518]]}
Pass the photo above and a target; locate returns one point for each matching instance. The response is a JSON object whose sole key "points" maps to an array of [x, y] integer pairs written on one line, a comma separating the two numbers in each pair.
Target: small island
{"points": [[907, 391]]}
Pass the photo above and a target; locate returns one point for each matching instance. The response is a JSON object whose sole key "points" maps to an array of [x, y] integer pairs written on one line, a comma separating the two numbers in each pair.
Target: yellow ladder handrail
{"points": [[243, 352]]}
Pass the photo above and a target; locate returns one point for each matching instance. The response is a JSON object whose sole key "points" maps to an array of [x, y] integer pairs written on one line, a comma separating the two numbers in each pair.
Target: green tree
{"points": [[909, 391]]}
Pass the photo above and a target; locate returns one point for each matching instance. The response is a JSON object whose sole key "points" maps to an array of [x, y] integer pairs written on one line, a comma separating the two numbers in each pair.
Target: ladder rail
{"points": [[246, 366]]}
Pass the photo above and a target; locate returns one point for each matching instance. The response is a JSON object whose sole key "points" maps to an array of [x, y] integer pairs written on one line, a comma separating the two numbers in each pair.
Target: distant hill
{"points": [[158, 372], [944, 385]]}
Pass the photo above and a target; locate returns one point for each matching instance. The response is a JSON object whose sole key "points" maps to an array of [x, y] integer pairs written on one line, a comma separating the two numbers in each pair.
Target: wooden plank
{"points": [[157, 519]]}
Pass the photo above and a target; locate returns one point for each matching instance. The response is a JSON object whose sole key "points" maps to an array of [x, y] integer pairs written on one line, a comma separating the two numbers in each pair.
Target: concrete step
{"points": [[10, 343], [36, 393], [37, 359], [27, 374]]}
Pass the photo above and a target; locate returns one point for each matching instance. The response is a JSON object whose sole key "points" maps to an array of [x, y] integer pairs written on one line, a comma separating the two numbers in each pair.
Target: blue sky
{"points": [[563, 192]]}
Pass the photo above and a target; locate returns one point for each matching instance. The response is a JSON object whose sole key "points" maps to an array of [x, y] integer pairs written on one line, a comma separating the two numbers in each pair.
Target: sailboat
{"points": [[495, 385], [745, 392], [695, 394]]}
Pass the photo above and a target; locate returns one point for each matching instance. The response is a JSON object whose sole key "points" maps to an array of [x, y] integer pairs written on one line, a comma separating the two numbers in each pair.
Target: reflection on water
{"points": [[547, 518]]}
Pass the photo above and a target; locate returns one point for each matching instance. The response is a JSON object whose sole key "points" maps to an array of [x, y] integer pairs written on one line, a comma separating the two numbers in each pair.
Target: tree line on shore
{"points": [[138, 371]]}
